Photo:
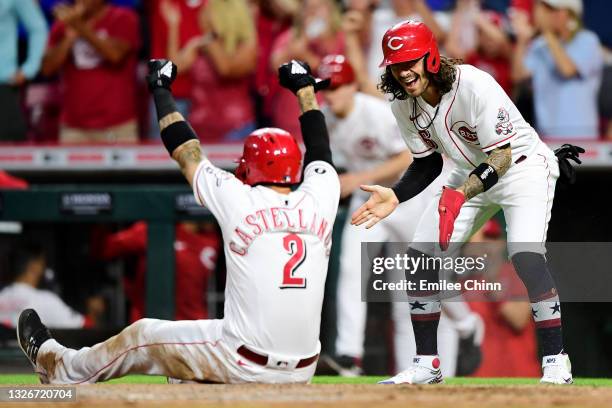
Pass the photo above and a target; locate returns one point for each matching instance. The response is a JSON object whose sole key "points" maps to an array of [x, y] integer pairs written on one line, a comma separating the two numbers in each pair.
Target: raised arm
{"points": [[524, 33], [113, 48], [182, 57], [58, 51], [296, 76], [179, 138]]}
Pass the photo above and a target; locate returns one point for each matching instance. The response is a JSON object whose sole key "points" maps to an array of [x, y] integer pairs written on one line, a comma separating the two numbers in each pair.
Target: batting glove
{"points": [[448, 208], [161, 74], [566, 153], [296, 75]]}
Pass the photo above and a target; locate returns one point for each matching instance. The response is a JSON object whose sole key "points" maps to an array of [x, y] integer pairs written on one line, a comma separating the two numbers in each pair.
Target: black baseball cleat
{"points": [[31, 334]]}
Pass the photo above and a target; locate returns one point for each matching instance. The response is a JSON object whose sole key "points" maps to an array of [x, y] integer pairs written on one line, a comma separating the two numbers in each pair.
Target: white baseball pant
{"points": [[195, 350]]}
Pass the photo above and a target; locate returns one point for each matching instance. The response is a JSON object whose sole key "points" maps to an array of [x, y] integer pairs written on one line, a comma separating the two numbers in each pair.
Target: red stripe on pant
{"points": [[545, 324], [425, 317]]}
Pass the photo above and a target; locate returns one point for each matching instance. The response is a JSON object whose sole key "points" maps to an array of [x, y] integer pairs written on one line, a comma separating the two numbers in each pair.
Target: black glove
{"points": [[296, 75], [161, 74], [566, 153]]}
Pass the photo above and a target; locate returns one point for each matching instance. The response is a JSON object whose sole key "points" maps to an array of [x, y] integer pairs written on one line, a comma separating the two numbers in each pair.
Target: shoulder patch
{"points": [[503, 125]]}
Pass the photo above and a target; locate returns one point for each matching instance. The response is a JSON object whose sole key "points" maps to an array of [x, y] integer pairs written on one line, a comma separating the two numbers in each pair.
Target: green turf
{"points": [[145, 379]]}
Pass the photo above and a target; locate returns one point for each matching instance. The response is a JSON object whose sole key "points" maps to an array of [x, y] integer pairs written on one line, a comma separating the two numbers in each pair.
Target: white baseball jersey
{"points": [[277, 249], [367, 136], [53, 311], [475, 117], [472, 119]]}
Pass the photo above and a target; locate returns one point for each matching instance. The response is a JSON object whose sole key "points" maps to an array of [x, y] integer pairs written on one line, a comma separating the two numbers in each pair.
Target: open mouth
{"points": [[411, 82]]}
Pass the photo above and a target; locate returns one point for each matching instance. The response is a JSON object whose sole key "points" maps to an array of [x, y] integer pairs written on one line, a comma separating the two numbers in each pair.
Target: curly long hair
{"points": [[443, 80]]}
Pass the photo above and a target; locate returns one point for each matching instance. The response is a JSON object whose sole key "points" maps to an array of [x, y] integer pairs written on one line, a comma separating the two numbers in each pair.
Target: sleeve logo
{"points": [[503, 126]]}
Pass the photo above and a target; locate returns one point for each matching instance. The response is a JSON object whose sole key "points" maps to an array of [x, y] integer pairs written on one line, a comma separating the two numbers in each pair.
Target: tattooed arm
{"points": [[188, 155], [500, 159], [307, 99]]}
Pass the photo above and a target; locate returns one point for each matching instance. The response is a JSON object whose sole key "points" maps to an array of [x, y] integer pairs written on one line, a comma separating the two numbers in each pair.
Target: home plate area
{"points": [[325, 395]]}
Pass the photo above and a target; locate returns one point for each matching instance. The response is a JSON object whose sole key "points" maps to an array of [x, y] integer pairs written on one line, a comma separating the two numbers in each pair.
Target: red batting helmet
{"points": [[409, 41], [270, 155], [338, 69]]}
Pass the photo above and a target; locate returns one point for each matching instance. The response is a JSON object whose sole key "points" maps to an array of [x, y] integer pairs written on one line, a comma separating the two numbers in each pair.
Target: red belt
{"points": [[262, 359]]}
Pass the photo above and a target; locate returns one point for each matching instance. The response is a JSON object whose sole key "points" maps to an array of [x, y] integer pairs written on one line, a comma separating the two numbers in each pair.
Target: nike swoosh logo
{"points": [[568, 380], [242, 364]]}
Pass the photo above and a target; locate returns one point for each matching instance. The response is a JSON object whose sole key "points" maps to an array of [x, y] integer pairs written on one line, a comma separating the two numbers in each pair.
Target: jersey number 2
{"points": [[295, 246]]}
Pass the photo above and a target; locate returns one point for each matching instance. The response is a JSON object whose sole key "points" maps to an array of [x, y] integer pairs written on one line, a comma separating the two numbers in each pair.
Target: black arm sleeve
{"points": [[164, 102], [421, 173], [316, 138]]}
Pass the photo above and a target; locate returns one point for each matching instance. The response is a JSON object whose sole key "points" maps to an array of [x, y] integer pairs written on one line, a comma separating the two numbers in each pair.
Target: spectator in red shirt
{"points": [[195, 260], [221, 62], [187, 30], [316, 32], [94, 47], [509, 345], [492, 50]]}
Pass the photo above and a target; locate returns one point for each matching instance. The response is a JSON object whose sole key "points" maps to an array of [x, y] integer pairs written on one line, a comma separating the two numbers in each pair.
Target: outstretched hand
{"points": [[381, 203]]}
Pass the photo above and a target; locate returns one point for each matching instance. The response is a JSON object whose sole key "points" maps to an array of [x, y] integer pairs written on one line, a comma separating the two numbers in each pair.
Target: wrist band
{"points": [[487, 175]]}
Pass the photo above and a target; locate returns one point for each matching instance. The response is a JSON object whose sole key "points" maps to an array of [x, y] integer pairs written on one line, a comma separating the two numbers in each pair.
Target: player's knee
{"points": [[532, 268], [141, 329]]}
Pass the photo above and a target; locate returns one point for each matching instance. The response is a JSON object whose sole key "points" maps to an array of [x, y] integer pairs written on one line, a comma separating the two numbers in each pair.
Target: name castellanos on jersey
{"points": [[280, 219]]}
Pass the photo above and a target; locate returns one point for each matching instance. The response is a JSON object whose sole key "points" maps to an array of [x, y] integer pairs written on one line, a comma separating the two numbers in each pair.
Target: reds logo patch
{"points": [[397, 46], [466, 132], [503, 126], [366, 147], [426, 138]]}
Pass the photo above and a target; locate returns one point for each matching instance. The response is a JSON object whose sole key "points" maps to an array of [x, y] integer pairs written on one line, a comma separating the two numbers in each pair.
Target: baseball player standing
{"points": [[276, 241], [363, 130], [443, 107]]}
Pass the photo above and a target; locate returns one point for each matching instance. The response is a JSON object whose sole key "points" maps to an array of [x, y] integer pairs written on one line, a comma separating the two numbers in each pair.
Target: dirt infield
{"points": [[326, 395]]}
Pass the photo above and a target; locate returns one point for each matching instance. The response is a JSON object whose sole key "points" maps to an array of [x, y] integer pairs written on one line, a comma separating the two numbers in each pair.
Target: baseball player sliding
{"points": [[443, 107], [276, 241], [362, 129]]}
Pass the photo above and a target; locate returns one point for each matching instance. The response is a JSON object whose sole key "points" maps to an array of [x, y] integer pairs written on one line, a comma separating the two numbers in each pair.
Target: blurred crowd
{"points": [[73, 71]]}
